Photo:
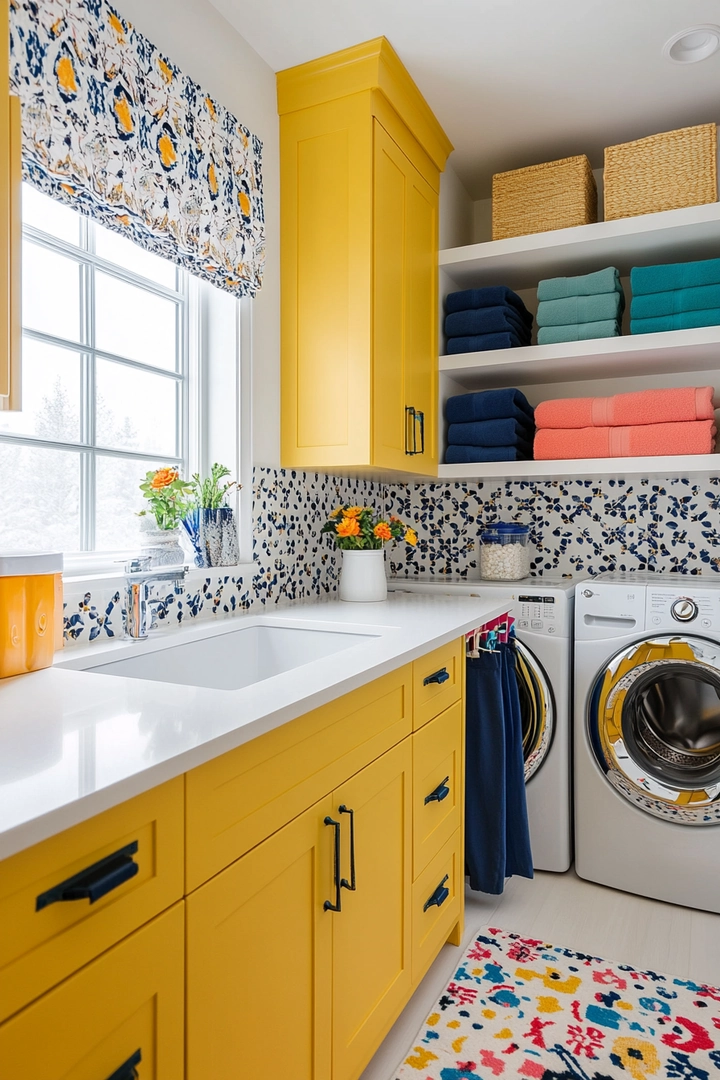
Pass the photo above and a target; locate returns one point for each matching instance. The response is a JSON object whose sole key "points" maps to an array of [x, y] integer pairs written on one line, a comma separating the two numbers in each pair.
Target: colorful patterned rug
{"points": [[518, 1007]]}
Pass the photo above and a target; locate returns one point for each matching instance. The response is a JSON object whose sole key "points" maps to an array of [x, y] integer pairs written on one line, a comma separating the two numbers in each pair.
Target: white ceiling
{"points": [[513, 82]]}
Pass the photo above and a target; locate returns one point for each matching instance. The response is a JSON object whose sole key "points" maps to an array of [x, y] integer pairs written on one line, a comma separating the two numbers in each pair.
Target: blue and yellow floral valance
{"points": [[113, 128]]}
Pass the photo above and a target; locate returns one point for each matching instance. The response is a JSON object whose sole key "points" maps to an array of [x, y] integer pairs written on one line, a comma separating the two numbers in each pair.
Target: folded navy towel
{"points": [[465, 455], [501, 432], [491, 296], [488, 320], [484, 342], [489, 405]]}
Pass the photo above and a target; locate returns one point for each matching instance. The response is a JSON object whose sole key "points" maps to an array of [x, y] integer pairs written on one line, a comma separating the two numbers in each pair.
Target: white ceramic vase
{"points": [[362, 578], [162, 545]]}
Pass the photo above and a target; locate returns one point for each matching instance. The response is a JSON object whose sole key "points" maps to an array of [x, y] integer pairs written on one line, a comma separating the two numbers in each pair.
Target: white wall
{"points": [[456, 211], [198, 39]]}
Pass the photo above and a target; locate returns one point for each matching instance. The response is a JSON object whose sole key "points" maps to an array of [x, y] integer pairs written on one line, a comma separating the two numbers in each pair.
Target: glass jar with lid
{"points": [[505, 551]]}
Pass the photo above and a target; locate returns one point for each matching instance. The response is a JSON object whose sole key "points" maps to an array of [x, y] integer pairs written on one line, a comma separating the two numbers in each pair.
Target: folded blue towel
{"points": [[602, 281], [580, 309], [504, 431], [490, 296], [651, 305], [484, 342], [465, 455], [489, 320], [683, 320], [489, 405], [552, 335], [668, 276]]}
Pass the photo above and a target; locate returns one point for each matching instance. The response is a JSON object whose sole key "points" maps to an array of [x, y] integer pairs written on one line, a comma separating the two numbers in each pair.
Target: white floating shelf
{"points": [[686, 465], [670, 236], [600, 358]]}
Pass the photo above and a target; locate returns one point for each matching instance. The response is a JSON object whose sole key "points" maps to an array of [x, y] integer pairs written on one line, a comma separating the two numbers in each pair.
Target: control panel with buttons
{"points": [[691, 609], [540, 614]]}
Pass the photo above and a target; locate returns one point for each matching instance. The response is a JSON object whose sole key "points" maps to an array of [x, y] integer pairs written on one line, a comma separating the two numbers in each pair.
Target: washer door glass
{"points": [[536, 707], [654, 727]]}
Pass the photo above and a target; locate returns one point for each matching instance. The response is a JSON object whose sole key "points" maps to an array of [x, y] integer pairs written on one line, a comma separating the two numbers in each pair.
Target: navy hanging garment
{"points": [[497, 837]]}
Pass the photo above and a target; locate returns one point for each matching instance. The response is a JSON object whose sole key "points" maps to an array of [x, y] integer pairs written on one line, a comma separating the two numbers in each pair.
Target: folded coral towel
{"points": [[500, 432], [485, 342], [638, 408], [580, 309], [651, 305], [491, 296], [465, 455], [488, 320], [552, 335], [488, 405], [663, 278], [683, 320], [651, 440], [602, 281]]}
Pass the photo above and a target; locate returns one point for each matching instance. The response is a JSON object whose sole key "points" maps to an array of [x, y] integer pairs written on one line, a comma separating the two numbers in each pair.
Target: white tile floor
{"points": [[565, 910]]}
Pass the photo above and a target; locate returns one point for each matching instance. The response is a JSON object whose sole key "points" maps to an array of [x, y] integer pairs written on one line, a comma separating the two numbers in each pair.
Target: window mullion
{"points": [[88, 470]]}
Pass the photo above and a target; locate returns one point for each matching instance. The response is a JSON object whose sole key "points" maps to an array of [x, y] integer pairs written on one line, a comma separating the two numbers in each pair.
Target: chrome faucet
{"points": [[137, 602]]}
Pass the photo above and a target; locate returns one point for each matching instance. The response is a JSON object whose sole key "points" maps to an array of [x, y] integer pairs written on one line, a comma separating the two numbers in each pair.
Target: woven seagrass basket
{"points": [[555, 195], [662, 172]]}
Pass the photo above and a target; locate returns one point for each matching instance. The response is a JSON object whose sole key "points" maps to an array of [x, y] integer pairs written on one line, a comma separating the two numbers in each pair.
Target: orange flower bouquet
{"points": [[168, 496], [359, 528]]}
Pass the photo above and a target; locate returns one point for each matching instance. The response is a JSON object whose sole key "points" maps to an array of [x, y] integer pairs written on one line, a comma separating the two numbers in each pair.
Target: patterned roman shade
{"points": [[113, 128]]}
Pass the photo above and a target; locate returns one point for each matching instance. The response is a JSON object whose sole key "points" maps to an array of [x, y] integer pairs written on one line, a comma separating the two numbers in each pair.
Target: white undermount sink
{"points": [[231, 660]]}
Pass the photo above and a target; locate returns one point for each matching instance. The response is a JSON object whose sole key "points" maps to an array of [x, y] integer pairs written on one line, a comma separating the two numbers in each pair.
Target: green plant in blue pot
{"points": [[210, 522]]}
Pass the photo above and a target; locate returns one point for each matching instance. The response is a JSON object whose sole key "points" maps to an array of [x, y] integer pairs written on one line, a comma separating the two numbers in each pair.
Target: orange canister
{"points": [[30, 610]]}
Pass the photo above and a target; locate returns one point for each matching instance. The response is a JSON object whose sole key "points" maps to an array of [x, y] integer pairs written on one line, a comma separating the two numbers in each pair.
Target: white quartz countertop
{"points": [[74, 743]]}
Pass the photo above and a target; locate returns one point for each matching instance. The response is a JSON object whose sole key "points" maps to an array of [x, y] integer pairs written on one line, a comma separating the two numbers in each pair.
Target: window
{"points": [[106, 389]]}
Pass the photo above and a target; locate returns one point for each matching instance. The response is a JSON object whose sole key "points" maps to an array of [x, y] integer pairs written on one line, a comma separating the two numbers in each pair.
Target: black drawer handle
{"points": [[438, 677], [441, 792], [127, 1070], [344, 883], [439, 897], [328, 905], [94, 881]]}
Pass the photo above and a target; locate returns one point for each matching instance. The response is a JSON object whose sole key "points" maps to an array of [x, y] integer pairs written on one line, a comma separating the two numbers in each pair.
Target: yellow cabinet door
{"points": [[371, 959], [405, 249], [122, 1011], [258, 959]]}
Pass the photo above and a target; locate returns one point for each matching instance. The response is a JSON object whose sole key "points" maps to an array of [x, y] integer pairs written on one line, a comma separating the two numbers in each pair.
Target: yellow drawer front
{"points": [[433, 921], [125, 1007], [437, 681], [239, 799], [437, 784], [51, 936]]}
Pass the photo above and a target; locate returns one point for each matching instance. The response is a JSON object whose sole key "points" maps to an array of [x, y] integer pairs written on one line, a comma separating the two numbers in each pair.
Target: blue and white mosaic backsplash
{"points": [[578, 527]]}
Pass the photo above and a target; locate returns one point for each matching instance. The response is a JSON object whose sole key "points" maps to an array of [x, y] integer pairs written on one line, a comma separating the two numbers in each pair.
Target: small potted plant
{"points": [[160, 523], [361, 535], [209, 521]]}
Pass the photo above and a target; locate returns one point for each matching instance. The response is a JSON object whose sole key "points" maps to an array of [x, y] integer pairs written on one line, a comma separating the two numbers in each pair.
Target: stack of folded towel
{"points": [[579, 308], [490, 318], [494, 425], [647, 423], [677, 296]]}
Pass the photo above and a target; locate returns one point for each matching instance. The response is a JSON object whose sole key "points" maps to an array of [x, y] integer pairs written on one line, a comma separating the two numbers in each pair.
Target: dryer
{"points": [[647, 736], [543, 609]]}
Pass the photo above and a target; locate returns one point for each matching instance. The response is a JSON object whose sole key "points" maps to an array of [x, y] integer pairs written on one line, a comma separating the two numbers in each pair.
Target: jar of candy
{"points": [[504, 551]]}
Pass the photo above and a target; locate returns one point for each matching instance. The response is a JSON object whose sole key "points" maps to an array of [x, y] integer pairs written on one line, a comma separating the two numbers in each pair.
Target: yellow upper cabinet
{"points": [[361, 156]]}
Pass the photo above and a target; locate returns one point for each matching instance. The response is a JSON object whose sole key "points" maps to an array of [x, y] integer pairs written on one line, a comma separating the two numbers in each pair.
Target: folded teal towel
{"points": [[553, 335], [687, 275], [683, 320], [580, 309], [602, 281], [650, 305]]}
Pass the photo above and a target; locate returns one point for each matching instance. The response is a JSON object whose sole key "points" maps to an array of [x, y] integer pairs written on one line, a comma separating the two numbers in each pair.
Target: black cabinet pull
{"points": [[441, 792], [345, 884], [328, 905], [438, 677], [420, 416], [127, 1070], [94, 881], [413, 417], [439, 897]]}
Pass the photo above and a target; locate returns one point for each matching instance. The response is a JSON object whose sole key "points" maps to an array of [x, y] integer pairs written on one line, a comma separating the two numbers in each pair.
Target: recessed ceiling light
{"points": [[694, 44]]}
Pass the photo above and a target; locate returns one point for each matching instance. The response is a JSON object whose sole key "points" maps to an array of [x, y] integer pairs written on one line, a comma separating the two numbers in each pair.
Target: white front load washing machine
{"points": [[647, 736], [543, 609]]}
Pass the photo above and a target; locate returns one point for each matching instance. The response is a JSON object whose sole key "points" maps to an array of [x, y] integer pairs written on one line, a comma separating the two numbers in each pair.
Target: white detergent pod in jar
{"points": [[504, 551]]}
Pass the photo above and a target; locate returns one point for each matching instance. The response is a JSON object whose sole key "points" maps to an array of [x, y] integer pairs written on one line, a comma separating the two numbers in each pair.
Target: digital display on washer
{"points": [[536, 599]]}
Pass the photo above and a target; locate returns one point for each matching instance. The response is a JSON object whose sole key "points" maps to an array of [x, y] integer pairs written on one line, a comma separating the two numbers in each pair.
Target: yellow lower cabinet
{"points": [[259, 959], [122, 1011], [371, 941], [437, 904], [438, 794]]}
